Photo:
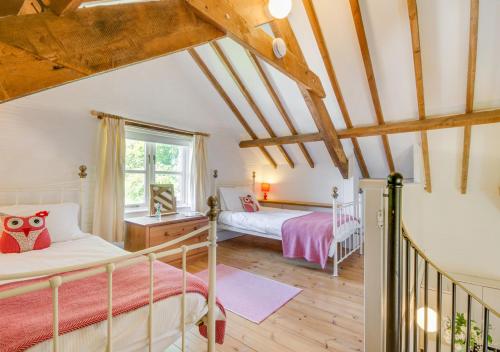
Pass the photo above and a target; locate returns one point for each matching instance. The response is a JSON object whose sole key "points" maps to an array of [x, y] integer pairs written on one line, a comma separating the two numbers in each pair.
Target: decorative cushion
{"points": [[230, 197], [23, 234], [62, 222], [248, 203]]}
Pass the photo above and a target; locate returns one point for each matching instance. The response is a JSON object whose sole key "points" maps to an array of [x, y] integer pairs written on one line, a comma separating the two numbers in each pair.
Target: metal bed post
{"points": [[212, 267], [83, 176], [335, 195]]}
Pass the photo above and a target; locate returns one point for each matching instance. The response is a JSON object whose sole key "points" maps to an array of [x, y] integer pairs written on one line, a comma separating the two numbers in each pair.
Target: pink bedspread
{"points": [[310, 236], [27, 320]]}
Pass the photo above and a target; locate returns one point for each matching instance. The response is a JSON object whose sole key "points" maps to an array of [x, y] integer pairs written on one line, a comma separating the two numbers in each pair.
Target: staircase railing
{"points": [[412, 325]]}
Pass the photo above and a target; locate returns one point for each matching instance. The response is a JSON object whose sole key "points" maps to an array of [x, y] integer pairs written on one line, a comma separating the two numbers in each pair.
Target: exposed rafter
{"points": [[431, 123], [63, 7], [203, 67], [315, 104], [279, 105], [320, 40], [52, 50], [248, 96], [370, 75], [223, 15], [471, 79], [419, 80]]}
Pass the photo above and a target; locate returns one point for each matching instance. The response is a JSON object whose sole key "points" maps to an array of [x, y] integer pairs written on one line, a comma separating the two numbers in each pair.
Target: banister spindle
{"points": [[416, 290], [453, 314], [393, 309], [486, 328], [407, 296], [439, 304], [426, 304], [469, 311]]}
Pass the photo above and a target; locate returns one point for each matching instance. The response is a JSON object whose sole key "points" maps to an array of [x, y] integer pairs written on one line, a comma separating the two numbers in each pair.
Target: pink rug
{"points": [[251, 296]]}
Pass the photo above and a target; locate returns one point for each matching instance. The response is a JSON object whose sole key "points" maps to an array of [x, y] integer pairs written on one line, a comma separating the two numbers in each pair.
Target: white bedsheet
{"points": [[266, 221], [130, 329]]}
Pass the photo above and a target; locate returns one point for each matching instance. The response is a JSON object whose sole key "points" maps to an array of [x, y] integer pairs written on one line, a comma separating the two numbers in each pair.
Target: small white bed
{"points": [[129, 329], [268, 222]]}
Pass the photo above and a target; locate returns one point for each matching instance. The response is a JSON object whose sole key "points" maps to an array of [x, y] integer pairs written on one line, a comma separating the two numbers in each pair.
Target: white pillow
{"points": [[62, 221], [230, 197]]}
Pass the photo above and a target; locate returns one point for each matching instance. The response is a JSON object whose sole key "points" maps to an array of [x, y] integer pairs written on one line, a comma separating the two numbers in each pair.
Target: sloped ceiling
{"points": [[172, 90]]}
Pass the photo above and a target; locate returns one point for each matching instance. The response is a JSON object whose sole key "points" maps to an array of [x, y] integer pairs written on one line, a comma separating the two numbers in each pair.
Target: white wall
{"points": [[460, 232], [46, 136]]}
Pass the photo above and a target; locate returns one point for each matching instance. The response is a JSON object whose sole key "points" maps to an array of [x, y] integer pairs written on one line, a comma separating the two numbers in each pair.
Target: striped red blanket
{"points": [[26, 320]]}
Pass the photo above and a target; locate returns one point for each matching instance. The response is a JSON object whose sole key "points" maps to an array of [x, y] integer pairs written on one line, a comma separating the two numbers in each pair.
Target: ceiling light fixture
{"points": [[280, 8]]}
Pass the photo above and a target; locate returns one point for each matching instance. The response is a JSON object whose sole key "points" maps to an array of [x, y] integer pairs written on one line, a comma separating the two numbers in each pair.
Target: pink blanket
{"points": [[26, 320], [310, 236]]}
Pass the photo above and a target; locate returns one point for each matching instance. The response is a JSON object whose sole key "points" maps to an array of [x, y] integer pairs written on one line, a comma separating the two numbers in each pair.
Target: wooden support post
{"points": [[471, 79], [327, 61], [370, 75], [419, 81]]}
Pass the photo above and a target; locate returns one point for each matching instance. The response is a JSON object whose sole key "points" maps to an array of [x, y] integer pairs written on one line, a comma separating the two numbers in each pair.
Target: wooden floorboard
{"points": [[326, 316]]}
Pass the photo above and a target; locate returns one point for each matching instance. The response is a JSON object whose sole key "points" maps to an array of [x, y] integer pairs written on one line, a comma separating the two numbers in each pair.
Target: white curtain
{"points": [[110, 188], [199, 175]]}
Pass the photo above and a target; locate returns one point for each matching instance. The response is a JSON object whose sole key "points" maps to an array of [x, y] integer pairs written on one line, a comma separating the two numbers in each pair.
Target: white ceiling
{"points": [[172, 90]]}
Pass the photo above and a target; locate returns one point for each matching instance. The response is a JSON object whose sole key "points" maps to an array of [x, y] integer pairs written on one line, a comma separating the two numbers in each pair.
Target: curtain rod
{"points": [[154, 126]]}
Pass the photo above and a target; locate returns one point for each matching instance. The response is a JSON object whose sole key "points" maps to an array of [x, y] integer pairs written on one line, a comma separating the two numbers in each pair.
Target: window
{"points": [[155, 157]]}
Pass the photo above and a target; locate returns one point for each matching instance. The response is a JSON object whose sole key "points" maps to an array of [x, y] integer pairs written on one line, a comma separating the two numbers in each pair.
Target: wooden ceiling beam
{"points": [[327, 61], [224, 16], [419, 81], [429, 124], [315, 104], [471, 79], [246, 93], [279, 105], [93, 40], [255, 12], [370, 75], [296, 138], [63, 7], [206, 71]]}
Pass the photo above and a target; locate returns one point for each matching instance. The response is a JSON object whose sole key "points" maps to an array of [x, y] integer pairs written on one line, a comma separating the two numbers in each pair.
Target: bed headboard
{"points": [[74, 191]]}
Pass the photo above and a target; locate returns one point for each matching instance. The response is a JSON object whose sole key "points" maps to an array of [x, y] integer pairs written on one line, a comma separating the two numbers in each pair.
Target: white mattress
{"points": [[266, 221], [130, 329]]}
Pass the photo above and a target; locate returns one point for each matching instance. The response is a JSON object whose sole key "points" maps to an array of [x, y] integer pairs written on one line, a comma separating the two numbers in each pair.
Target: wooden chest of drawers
{"points": [[145, 232]]}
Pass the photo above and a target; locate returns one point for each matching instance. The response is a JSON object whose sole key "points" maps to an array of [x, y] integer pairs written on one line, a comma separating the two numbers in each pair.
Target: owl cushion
{"points": [[23, 234], [249, 204]]}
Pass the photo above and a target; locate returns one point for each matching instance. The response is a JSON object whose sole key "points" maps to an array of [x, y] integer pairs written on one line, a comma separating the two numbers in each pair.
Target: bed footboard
{"points": [[347, 230], [149, 255]]}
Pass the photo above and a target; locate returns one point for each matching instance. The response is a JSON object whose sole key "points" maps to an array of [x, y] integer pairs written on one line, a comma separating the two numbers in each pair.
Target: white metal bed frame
{"points": [[108, 266], [347, 238]]}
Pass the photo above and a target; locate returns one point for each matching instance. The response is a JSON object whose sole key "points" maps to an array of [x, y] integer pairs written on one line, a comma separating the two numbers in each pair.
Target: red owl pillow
{"points": [[22, 234], [249, 204]]}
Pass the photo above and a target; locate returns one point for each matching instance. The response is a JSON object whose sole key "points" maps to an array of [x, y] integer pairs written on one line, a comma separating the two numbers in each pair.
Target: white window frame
{"points": [[151, 138]]}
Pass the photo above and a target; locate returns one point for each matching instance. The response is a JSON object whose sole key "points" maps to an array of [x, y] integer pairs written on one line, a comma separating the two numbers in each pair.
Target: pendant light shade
{"points": [[280, 8]]}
